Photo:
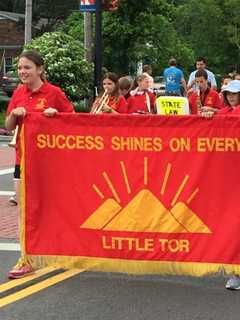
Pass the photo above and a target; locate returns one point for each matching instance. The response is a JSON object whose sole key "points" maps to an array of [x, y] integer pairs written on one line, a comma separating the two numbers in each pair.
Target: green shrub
{"points": [[65, 63], [3, 103], [2, 119], [80, 106]]}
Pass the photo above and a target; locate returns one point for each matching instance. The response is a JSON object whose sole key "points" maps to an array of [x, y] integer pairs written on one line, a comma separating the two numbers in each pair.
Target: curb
{"points": [[5, 138]]}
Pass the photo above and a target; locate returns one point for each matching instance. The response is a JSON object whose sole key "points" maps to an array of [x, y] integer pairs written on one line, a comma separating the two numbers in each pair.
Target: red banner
{"points": [[133, 193]]}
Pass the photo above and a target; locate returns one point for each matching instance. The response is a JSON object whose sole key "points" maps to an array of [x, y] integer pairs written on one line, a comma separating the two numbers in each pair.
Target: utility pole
{"points": [[88, 39], [98, 44], [28, 21]]}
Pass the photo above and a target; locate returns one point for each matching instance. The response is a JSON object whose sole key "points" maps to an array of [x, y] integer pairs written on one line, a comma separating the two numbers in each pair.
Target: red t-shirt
{"points": [[118, 104], [209, 98], [231, 110], [138, 102], [45, 97]]}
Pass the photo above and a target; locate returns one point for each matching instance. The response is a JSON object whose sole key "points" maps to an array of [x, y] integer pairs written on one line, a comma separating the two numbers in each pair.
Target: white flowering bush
{"points": [[65, 64]]}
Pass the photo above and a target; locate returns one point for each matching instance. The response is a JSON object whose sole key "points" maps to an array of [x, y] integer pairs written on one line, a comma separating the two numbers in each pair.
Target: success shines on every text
{"points": [[154, 144]]}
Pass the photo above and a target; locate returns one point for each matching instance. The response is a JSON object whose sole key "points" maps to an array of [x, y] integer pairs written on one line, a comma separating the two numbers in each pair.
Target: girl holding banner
{"points": [[35, 94]]}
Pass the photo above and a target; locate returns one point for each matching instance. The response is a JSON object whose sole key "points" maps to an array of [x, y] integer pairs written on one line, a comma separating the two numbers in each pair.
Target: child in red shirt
{"points": [[142, 99], [35, 94], [231, 96], [110, 100], [205, 98]]}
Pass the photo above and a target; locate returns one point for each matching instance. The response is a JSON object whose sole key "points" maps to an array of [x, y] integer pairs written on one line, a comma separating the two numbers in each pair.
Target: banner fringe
{"points": [[133, 266]]}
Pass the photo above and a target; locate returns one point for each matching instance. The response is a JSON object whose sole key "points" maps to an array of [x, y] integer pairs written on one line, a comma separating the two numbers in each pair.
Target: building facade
{"points": [[11, 38]]}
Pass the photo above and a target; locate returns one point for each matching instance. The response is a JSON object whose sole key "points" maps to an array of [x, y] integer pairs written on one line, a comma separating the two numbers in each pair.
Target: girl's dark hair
{"points": [[36, 58], [114, 78]]}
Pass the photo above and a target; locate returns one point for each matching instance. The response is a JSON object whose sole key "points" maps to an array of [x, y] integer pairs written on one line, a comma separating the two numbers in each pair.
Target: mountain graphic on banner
{"points": [[145, 213]]}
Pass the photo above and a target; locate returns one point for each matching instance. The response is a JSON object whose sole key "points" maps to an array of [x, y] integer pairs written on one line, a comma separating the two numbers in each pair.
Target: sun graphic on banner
{"points": [[145, 212]]}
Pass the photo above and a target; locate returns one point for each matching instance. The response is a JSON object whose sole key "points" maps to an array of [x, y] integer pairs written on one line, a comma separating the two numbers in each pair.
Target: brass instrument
{"points": [[13, 142], [98, 106], [199, 103]]}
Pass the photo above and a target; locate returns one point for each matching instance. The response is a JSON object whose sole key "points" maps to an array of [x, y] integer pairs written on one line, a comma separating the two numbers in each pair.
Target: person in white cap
{"points": [[231, 99], [231, 95]]}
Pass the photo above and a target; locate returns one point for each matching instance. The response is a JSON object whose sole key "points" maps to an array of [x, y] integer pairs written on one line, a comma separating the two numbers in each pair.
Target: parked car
{"points": [[10, 81], [159, 86]]}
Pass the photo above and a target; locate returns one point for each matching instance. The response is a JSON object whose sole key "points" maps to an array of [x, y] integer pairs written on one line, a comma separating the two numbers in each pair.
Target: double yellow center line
{"points": [[35, 287]]}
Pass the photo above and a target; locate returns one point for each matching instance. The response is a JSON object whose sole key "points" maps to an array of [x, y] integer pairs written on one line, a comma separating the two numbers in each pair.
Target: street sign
{"points": [[87, 6]]}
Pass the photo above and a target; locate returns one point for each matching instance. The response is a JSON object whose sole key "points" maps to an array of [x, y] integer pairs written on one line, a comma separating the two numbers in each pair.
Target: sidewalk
{"points": [[8, 213], [9, 220], [7, 156]]}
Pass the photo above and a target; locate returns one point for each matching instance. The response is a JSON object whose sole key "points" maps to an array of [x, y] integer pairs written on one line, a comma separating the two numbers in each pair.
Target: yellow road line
{"points": [[38, 287], [17, 282]]}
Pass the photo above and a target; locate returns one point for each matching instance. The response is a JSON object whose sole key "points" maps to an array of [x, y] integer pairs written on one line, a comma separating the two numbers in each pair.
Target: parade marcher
{"points": [[236, 76], [204, 98], [174, 80], [225, 80], [110, 100], [35, 94], [231, 94], [125, 85], [147, 69], [201, 65], [142, 99]]}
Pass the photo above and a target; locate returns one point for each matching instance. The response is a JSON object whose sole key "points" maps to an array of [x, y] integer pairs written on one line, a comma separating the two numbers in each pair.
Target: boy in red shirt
{"points": [[204, 98]]}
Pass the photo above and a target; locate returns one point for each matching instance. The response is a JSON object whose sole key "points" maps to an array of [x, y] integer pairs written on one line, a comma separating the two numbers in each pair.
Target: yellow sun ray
{"points": [[114, 192], [165, 180], [180, 189], [124, 172], [145, 171], [192, 195], [99, 193]]}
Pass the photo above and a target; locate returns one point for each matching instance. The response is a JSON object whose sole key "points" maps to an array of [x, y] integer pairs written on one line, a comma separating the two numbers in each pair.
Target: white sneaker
{"points": [[12, 200], [233, 283]]}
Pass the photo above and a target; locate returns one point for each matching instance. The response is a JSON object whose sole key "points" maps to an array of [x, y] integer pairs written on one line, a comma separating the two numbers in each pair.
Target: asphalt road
{"points": [[107, 296]]}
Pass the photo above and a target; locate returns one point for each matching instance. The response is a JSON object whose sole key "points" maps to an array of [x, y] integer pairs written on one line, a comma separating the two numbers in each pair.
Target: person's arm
{"points": [[212, 80], [184, 84], [11, 120], [191, 81]]}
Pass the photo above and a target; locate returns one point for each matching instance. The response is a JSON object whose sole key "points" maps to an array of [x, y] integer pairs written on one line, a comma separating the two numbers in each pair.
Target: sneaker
{"points": [[12, 200], [20, 270], [233, 283]]}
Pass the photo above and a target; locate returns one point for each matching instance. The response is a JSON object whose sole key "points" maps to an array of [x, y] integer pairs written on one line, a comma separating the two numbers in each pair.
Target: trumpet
{"points": [[99, 104], [13, 142], [198, 101]]}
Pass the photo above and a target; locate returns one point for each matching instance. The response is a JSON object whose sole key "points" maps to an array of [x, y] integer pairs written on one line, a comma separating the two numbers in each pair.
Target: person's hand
{"points": [[107, 109], [206, 108], [207, 113], [19, 112], [50, 112]]}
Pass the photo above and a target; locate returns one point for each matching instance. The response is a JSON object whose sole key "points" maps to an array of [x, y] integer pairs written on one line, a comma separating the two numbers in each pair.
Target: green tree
{"points": [[54, 12], [65, 64], [231, 29], [137, 31], [211, 29], [142, 31]]}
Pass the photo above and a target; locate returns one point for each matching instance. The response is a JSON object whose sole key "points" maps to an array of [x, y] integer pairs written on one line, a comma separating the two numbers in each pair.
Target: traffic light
{"points": [[110, 5]]}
